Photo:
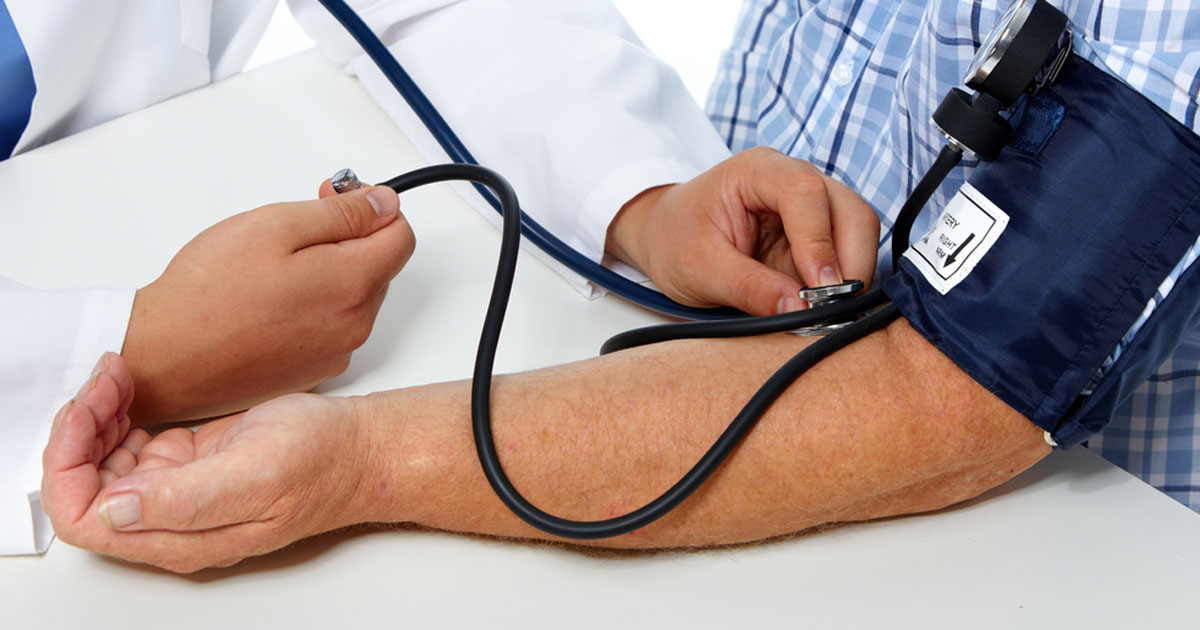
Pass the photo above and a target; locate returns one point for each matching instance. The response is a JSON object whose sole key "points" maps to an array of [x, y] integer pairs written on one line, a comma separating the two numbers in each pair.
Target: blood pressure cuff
{"points": [[1048, 256]]}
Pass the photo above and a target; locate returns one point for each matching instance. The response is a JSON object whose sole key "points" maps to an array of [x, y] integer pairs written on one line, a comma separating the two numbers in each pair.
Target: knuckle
{"points": [[761, 152], [866, 218], [746, 290], [338, 366], [805, 184], [357, 336], [178, 502], [408, 244], [745, 162], [811, 239], [66, 534], [358, 291], [821, 242]]}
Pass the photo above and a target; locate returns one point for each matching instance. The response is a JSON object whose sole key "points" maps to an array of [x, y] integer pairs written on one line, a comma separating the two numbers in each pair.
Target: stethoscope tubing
{"points": [[485, 357], [501, 196]]}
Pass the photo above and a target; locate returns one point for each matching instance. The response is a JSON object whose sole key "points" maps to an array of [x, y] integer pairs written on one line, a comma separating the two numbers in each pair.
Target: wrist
{"points": [[625, 233], [385, 478], [137, 352], [421, 462]]}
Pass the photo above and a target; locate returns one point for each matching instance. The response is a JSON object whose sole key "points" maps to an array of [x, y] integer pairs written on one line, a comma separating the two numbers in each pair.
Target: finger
{"points": [[335, 218], [120, 462], [101, 395], [71, 438], [204, 494], [185, 552], [135, 441], [116, 368], [855, 232], [122, 429], [176, 445], [105, 442], [379, 256], [797, 192], [326, 189], [107, 477], [154, 462], [747, 284], [805, 210], [69, 478]]}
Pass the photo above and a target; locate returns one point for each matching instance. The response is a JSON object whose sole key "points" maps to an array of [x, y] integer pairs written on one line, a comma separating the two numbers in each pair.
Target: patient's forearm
{"points": [[886, 426]]}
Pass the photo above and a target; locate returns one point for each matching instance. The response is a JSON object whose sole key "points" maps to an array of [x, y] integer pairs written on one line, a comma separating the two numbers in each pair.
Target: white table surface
{"points": [[1075, 542]]}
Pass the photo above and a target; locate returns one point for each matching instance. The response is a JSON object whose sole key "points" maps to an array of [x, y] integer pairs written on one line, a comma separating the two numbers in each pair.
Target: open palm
{"points": [[239, 486]]}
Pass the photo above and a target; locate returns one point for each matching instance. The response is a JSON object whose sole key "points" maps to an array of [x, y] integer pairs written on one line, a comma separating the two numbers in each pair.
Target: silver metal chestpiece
{"points": [[344, 181], [818, 297]]}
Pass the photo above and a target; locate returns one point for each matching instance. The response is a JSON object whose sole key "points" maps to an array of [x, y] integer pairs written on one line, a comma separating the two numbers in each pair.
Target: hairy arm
{"points": [[886, 426]]}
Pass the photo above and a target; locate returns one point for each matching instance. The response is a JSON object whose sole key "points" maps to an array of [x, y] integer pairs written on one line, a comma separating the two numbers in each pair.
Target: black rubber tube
{"points": [[946, 160], [481, 422], [843, 310], [741, 425]]}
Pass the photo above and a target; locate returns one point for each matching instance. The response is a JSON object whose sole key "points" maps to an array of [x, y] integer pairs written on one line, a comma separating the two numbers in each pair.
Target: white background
{"points": [[1073, 543], [688, 34]]}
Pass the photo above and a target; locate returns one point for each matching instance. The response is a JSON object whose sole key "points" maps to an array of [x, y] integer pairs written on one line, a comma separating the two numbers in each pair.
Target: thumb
{"points": [[744, 283], [809, 228], [326, 189], [338, 217], [203, 494]]}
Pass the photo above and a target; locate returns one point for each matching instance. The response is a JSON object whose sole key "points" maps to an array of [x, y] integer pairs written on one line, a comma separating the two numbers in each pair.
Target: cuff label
{"points": [[959, 238]]}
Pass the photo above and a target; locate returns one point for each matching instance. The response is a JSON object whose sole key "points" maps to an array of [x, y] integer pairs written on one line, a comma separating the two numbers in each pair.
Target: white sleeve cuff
{"points": [[52, 340]]}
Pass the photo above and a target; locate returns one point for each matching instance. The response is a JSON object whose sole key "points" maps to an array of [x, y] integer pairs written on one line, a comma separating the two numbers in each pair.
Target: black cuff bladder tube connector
{"points": [[485, 361]]}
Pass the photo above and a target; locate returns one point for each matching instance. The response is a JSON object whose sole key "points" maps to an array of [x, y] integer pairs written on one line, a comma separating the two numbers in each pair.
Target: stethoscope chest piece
{"points": [[818, 297]]}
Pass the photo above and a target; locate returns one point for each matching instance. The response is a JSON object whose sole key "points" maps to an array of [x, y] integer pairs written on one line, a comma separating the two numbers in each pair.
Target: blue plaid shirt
{"points": [[850, 85]]}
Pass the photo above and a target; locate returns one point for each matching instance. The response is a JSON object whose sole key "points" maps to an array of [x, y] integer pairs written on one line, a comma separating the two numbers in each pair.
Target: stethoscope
{"points": [[1025, 50]]}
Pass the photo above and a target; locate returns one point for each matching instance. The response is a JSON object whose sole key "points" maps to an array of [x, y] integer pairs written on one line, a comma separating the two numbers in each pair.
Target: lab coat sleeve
{"points": [[559, 97], [51, 341]]}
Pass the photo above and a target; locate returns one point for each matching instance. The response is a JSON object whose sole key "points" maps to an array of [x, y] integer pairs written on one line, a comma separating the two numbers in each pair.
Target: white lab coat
{"points": [[559, 96]]}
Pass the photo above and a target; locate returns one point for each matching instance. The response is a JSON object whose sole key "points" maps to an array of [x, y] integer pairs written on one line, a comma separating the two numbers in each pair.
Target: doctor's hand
{"points": [[238, 487], [748, 233], [269, 301]]}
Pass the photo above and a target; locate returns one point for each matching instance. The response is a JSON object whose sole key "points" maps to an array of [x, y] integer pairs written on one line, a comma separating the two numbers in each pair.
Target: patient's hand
{"points": [[266, 302], [238, 487], [748, 233]]}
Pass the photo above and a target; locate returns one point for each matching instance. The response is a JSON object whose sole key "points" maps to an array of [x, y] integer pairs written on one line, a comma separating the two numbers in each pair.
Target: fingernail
{"points": [[61, 412], [120, 510], [383, 200], [91, 382], [830, 276], [789, 304]]}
